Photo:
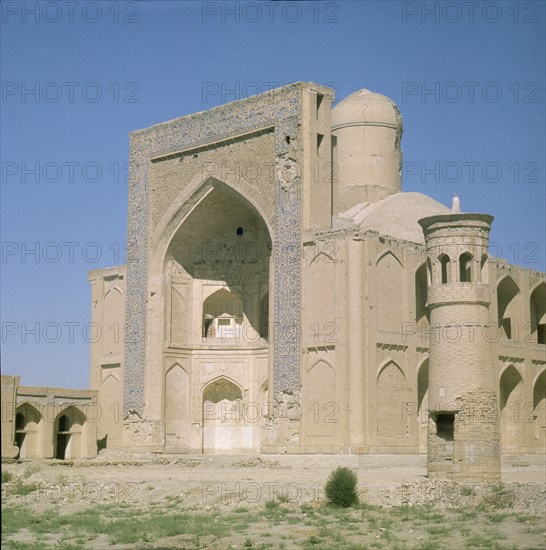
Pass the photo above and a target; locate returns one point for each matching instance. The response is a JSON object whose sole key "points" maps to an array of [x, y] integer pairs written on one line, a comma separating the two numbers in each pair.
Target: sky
{"points": [[78, 77]]}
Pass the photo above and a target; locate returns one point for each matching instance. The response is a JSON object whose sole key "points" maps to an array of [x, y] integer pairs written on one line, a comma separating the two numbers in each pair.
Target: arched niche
{"points": [[321, 400], [391, 393], [511, 396], [537, 304], [69, 433], [390, 293], [28, 430], [508, 306], [177, 407]]}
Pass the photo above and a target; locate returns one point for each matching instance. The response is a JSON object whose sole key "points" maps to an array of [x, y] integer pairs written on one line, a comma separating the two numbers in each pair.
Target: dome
{"points": [[365, 106], [396, 216]]}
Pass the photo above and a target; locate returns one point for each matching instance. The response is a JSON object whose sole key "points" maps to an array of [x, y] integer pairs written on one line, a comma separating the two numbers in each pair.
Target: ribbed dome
{"points": [[366, 106]]}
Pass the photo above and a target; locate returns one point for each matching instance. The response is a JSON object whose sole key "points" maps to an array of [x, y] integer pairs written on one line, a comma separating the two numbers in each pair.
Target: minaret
{"points": [[464, 426]]}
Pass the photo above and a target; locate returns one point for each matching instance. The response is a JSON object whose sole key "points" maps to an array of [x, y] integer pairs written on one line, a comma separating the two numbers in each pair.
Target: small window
{"points": [[224, 322], [240, 231], [445, 267], [465, 268], [445, 426]]}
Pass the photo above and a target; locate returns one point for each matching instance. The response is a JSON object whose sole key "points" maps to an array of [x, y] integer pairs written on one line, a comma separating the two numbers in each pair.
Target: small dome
{"points": [[396, 216], [366, 106]]}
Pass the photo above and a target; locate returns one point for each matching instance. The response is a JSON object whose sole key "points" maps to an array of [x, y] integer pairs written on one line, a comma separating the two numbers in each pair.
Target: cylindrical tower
{"points": [[464, 427], [367, 130]]}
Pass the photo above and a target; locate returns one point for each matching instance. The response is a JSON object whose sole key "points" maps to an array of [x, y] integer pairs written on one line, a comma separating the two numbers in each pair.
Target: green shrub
{"points": [[6, 476], [340, 488]]}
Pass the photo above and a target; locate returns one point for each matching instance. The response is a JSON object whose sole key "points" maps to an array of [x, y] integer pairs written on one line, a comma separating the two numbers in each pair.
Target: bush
{"points": [[340, 488], [6, 476]]}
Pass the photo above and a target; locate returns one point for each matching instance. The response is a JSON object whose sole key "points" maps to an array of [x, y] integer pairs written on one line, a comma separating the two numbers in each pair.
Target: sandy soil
{"points": [[228, 483]]}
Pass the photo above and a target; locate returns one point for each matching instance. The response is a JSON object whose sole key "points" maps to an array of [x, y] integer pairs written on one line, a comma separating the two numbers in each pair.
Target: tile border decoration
{"points": [[280, 108]]}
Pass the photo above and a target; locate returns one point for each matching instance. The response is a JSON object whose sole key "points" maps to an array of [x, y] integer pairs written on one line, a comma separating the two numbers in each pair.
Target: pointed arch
{"points": [[109, 429], [222, 315], [111, 375], [465, 267], [221, 387], [188, 200], [537, 305], [421, 295], [320, 394], [177, 407], [445, 268], [508, 298], [391, 393], [328, 258], [386, 363], [28, 429], [387, 252], [224, 427], [390, 293], [70, 423], [113, 315], [114, 288], [511, 406]]}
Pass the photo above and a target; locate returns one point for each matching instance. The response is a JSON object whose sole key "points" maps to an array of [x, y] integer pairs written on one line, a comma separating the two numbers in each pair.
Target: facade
{"points": [[283, 295]]}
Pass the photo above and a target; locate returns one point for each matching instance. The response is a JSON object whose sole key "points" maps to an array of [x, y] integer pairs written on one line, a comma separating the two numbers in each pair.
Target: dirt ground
{"points": [[266, 501]]}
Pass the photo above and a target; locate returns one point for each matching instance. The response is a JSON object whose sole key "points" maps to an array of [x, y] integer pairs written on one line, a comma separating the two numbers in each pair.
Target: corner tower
{"points": [[464, 429], [367, 131]]}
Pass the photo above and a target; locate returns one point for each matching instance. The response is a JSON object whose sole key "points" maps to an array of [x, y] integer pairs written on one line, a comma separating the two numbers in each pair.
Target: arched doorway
{"points": [[224, 428]]}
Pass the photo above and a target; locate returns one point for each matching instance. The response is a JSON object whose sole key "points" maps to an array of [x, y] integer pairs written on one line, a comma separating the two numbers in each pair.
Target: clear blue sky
{"points": [[470, 86]]}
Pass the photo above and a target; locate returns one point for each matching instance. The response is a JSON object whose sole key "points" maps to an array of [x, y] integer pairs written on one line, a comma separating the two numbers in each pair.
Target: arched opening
{"points": [[27, 430], [69, 440], [512, 411], [539, 410], [222, 316], [224, 428], [445, 268], [507, 304], [538, 314], [421, 309], [220, 252], [465, 267]]}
